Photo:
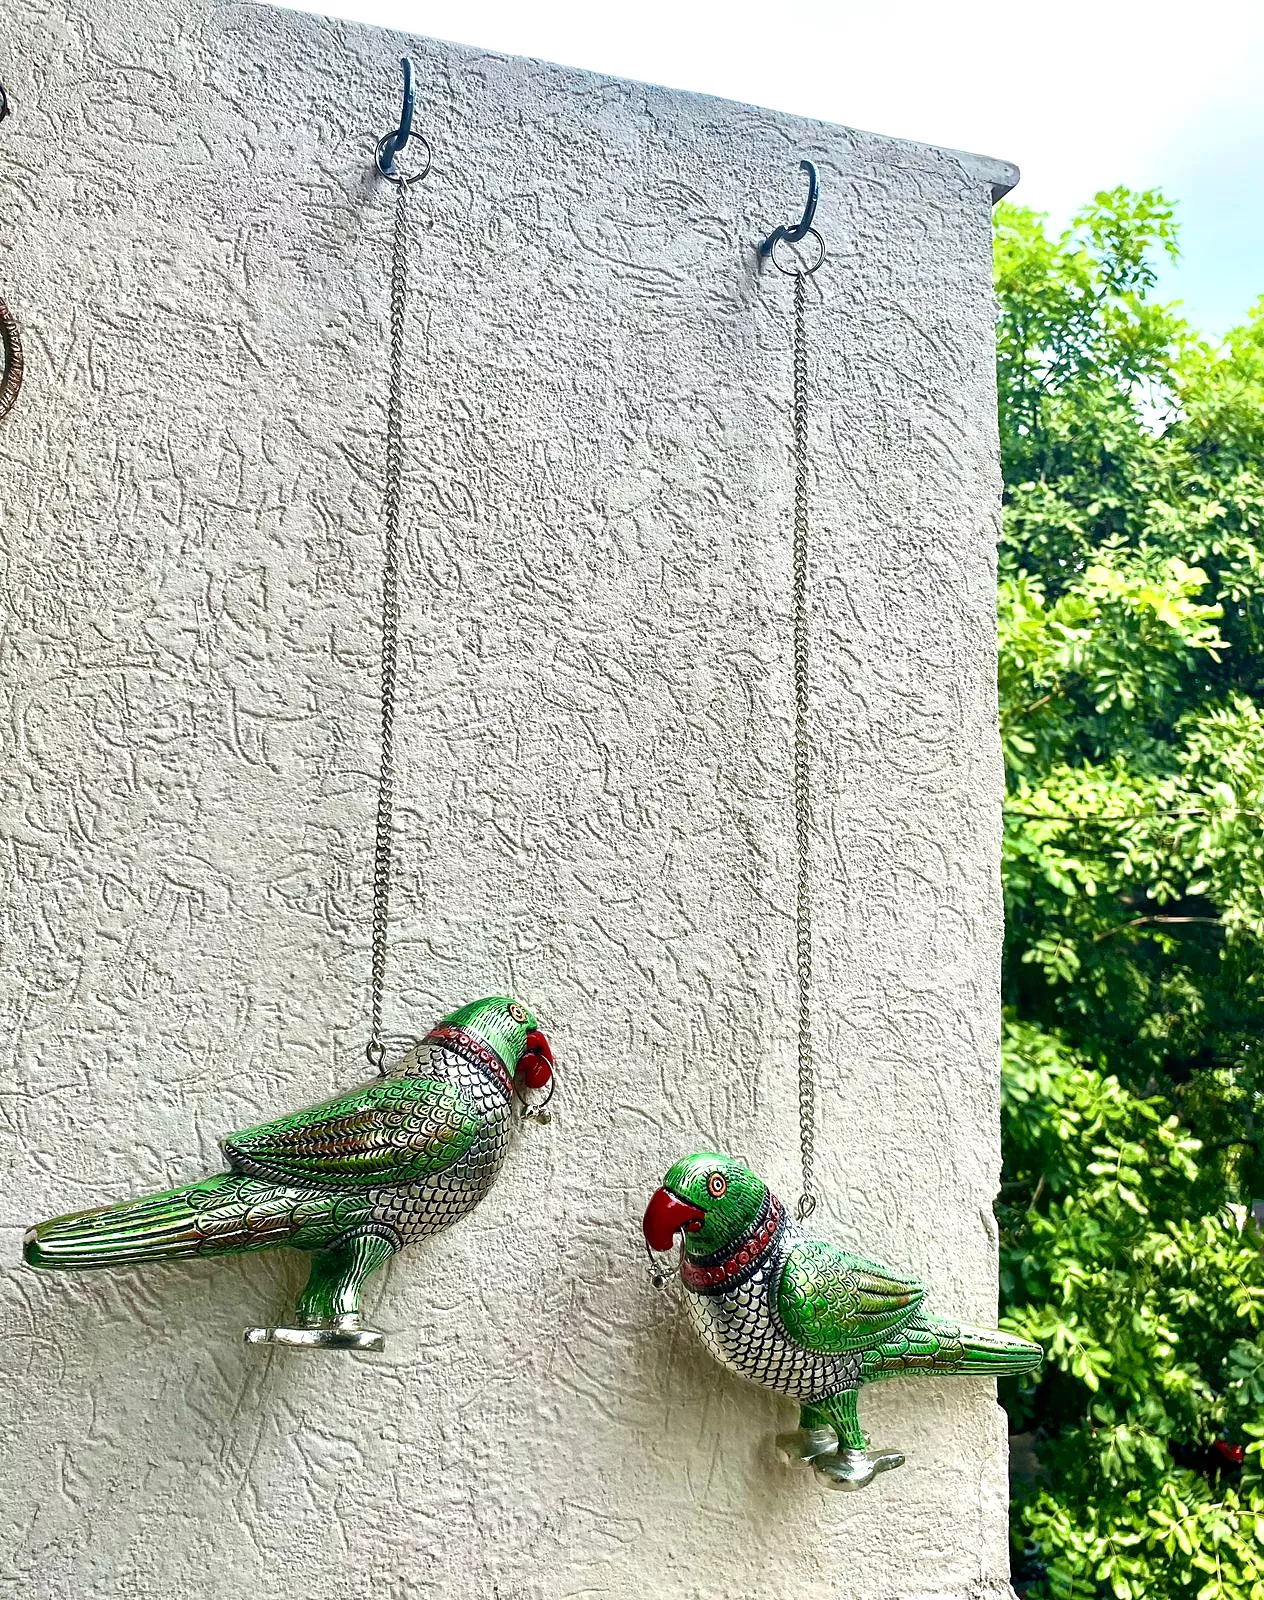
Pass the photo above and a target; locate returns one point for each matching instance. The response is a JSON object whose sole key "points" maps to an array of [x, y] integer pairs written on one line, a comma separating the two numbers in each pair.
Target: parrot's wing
{"points": [[395, 1131], [832, 1302]]}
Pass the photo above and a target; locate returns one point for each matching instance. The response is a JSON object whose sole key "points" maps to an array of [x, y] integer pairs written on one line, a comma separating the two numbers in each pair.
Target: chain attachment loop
{"points": [[404, 180], [659, 1275], [538, 1110], [800, 268]]}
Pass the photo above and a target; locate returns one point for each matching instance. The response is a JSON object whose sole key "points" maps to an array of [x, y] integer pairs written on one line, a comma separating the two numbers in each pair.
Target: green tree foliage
{"points": [[1132, 717]]}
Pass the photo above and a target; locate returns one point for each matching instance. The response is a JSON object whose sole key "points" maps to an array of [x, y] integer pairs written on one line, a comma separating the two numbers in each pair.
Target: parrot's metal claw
{"points": [[806, 1444], [854, 1469], [346, 1334]]}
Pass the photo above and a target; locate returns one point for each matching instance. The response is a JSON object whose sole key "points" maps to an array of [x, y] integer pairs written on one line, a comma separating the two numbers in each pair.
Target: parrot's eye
{"points": [[717, 1183], [517, 1012]]}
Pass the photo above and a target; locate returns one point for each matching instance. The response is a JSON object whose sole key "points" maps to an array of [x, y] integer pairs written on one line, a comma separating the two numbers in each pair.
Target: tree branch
{"points": [[1139, 922], [1123, 816]]}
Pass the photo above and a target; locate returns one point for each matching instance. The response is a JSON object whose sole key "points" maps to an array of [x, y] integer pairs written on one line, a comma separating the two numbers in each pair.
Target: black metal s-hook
{"points": [[390, 144], [804, 227]]}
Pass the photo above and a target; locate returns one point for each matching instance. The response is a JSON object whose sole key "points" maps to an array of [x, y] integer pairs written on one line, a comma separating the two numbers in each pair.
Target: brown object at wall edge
{"points": [[12, 342]]}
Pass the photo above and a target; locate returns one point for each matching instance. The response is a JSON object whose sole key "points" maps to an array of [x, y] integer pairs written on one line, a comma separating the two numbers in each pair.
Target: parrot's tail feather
{"points": [[936, 1347], [995, 1354], [203, 1218]]}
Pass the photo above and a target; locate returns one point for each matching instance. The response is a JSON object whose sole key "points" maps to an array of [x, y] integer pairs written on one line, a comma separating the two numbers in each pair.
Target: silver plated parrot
{"points": [[804, 1317], [352, 1180]]}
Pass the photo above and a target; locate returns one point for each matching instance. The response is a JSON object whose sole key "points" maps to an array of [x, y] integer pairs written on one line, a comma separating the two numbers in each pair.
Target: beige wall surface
{"points": [[594, 799]]}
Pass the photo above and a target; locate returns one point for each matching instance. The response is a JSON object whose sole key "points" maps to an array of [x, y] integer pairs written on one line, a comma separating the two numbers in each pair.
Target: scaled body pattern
{"points": [[804, 1317], [352, 1180]]}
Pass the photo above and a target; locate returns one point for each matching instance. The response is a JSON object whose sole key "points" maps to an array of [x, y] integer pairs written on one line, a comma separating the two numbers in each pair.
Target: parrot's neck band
{"points": [[737, 1261], [473, 1049]]}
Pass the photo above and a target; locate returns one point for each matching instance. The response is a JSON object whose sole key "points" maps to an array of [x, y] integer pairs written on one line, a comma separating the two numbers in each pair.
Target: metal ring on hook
{"points": [[800, 270], [405, 180], [803, 227]]}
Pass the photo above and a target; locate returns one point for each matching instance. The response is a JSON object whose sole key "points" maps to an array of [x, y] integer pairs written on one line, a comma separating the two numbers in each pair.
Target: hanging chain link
{"points": [[393, 494], [802, 265], [802, 754]]}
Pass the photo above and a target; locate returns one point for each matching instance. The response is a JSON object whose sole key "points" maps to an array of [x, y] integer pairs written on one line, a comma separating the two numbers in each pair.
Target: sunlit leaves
{"points": [[1132, 719]]}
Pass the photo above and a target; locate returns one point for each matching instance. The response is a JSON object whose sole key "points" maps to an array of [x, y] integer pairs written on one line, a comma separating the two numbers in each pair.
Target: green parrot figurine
{"points": [[352, 1180], [805, 1318]]}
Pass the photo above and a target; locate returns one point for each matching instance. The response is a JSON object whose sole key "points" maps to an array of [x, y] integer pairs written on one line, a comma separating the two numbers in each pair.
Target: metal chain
{"points": [[802, 753], [391, 517]]}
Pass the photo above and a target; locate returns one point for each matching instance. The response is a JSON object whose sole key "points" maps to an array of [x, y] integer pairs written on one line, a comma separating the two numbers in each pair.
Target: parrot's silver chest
{"points": [[415, 1210], [741, 1327]]}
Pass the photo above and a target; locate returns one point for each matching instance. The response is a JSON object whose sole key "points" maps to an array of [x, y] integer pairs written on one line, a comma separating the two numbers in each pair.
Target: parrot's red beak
{"points": [[665, 1216], [535, 1064]]}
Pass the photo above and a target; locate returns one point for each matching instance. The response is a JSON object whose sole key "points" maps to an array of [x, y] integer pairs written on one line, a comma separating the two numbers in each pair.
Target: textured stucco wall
{"points": [[595, 806]]}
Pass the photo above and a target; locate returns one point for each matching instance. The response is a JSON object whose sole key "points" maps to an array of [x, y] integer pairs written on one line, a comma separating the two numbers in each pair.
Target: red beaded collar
{"points": [[465, 1044], [741, 1259]]}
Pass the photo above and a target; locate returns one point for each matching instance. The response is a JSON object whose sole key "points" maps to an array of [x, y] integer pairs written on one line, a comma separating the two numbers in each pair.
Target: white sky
{"points": [[1081, 95]]}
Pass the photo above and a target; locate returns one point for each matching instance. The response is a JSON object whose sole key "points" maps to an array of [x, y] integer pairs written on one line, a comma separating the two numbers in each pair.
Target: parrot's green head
{"points": [[711, 1198], [505, 1026]]}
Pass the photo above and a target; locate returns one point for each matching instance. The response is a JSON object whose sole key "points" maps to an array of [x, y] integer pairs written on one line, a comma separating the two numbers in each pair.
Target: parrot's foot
{"points": [[853, 1469], [806, 1444], [347, 1333]]}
